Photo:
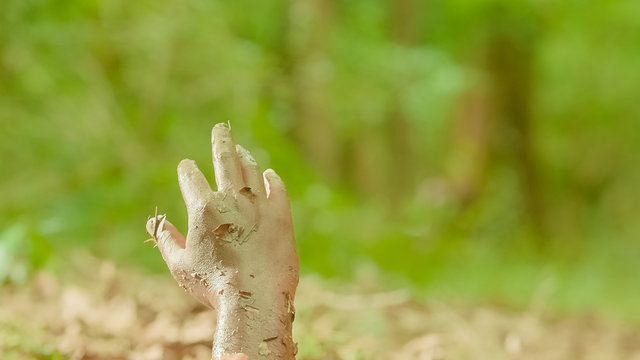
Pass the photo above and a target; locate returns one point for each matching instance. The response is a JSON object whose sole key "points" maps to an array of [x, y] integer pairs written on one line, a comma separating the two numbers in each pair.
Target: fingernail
{"points": [[184, 162], [151, 224], [220, 130], [272, 174], [187, 166]]}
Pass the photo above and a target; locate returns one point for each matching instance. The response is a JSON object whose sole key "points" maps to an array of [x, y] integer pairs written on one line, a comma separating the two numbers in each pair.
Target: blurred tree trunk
{"points": [[494, 123], [382, 156], [368, 161], [405, 21], [404, 26], [511, 49], [471, 144], [310, 77]]}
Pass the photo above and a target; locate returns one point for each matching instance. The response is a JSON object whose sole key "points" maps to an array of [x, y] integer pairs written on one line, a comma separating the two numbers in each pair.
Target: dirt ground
{"points": [[109, 313]]}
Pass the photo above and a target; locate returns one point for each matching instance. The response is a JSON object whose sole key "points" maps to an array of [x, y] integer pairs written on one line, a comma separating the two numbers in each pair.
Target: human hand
{"points": [[239, 256]]}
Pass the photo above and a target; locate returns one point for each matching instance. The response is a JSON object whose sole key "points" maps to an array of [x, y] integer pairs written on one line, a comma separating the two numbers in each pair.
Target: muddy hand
{"points": [[239, 255]]}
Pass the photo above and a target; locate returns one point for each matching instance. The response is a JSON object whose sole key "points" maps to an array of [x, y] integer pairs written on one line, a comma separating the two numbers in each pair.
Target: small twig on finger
{"points": [[158, 222]]}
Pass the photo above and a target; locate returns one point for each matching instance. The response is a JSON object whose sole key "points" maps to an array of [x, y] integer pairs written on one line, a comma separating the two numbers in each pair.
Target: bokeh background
{"points": [[481, 150]]}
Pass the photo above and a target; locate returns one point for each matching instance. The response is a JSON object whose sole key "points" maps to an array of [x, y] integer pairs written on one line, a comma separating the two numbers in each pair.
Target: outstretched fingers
{"points": [[225, 159], [193, 185]]}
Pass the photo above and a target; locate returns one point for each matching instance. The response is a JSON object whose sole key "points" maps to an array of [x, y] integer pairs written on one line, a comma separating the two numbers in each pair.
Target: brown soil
{"points": [[110, 313]]}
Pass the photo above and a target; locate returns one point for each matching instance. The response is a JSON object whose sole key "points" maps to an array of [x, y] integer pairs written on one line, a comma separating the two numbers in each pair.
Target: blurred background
{"points": [[480, 150]]}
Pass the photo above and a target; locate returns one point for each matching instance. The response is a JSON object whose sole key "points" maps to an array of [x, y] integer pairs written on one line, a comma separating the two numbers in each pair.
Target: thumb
{"points": [[168, 239]]}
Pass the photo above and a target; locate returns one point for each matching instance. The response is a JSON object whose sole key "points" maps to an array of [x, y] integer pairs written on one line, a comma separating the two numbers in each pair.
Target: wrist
{"points": [[255, 324]]}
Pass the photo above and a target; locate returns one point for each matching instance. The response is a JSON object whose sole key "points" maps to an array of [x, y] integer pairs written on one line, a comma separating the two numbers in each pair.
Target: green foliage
{"points": [[99, 101], [22, 250]]}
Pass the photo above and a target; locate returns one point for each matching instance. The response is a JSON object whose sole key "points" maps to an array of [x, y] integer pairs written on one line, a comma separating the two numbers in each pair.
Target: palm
{"points": [[240, 239]]}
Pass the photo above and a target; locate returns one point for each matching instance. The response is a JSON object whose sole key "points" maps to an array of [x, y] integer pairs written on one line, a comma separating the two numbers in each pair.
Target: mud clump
{"points": [[263, 349]]}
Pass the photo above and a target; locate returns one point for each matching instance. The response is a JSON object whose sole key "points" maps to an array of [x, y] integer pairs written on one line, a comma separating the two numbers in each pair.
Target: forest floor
{"points": [[104, 312]]}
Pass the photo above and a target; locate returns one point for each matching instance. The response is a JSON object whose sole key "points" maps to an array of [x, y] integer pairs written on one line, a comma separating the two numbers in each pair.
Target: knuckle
{"points": [[200, 206]]}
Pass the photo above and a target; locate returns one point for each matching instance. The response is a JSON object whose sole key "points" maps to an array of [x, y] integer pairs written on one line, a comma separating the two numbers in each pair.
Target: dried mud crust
{"points": [[239, 256], [227, 270]]}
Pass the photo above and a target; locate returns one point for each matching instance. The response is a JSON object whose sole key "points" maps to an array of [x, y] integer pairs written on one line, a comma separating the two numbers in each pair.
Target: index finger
{"points": [[193, 185], [225, 159]]}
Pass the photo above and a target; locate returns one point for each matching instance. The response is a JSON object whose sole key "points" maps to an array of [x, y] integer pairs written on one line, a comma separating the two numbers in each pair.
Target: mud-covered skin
{"points": [[239, 256]]}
